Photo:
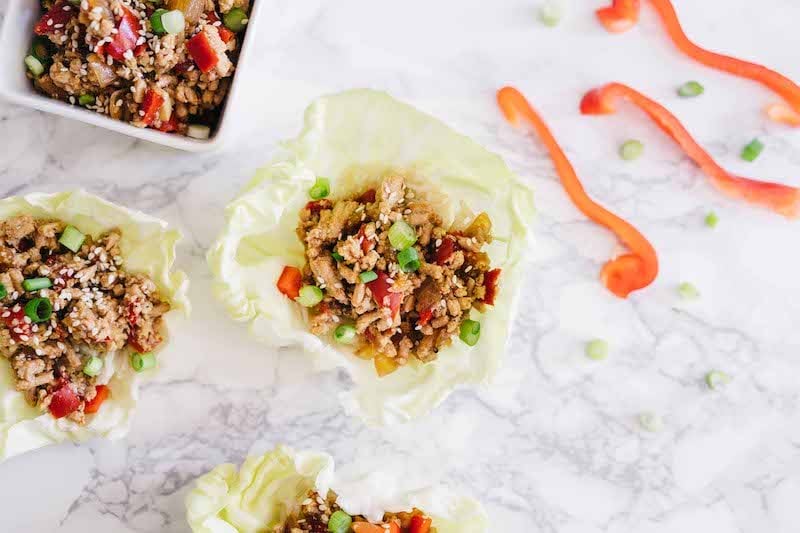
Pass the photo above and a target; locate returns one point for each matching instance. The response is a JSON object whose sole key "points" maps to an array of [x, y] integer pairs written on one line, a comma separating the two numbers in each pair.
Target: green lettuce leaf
{"points": [[351, 138], [268, 488], [147, 247]]}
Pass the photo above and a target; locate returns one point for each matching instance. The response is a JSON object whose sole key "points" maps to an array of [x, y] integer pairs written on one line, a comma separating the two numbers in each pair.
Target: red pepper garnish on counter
{"points": [[290, 281], [782, 199], [151, 103], [56, 18], [204, 55], [624, 274], [620, 16], [101, 395], [64, 401], [126, 37]]}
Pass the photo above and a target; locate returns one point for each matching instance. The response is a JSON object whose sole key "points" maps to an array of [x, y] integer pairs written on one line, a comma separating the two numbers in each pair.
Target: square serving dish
{"points": [[15, 41]]}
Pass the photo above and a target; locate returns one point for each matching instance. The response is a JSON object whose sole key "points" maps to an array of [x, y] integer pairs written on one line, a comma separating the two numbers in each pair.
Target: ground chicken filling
{"points": [[63, 312], [164, 65], [323, 515], [391, 278]]}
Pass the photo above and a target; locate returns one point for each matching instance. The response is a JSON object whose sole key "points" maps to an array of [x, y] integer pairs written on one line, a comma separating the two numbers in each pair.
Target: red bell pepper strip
{"points": [[56, 18], [64, 401], [290, 281], [366, 244], [151, 103], [420, 524], [224, 33], [204, 55], [624, 274], [101, 395], [445, 251], [126, 37], [620, 16], [490, 284], [780, 198], [380, 291]]}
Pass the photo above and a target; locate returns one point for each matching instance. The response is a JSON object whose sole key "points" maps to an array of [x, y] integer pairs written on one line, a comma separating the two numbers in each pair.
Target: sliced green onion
{"points": [[687, 291], [597, 349], [310, 295], [3, 291], [86, 99], [235, 19], [651, 422], [39, 310], [712, 220], [72, 238], [409, 260], [551, 12], [401, 235], [716, 379], [368, 276], [752, 150], [470, 332], [631, 150], [173, 21], [320, 189], [156, 22], [35, 284], [34, 65], [142, 361], [93, 366], [690, 88], [198, 131], [339, 522], [40, 49], [345, 334], [337, 256]]}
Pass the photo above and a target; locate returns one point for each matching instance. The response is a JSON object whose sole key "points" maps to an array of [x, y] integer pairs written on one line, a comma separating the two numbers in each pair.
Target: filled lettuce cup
{"points": [[285, 491], [85, 286], [384, 242]]}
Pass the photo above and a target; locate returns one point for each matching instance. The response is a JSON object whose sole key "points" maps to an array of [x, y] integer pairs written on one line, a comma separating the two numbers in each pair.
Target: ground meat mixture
{"points": [[399, 310], [315, 512], [107, 56], [90, 308]]}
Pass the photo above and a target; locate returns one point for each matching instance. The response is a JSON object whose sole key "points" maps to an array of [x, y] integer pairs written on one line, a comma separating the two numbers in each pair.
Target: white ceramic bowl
{"points": [[15, 43]]}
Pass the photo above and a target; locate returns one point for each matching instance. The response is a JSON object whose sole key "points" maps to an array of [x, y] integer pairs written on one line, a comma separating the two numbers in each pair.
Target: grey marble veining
{"points": [[554, 446]]}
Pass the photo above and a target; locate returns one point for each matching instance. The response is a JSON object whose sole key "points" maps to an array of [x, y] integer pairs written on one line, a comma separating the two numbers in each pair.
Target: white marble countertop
{"points": [[554, 446]]}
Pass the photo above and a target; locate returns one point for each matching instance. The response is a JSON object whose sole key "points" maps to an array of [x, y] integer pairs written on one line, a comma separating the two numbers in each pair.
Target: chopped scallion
{"points": [[3, 291], [470, 332], [337, 256], [142, 361], [345, 334], [34, 65], [409, 260], [93, 366], [716, 379], [35, 284], [712, 220], [401, 235], [173, 21], [235, 19], [597, 349], [368, 276], [631, 150], [687, 291], [752, 150], [320, 189], [310, 295], [155, 21], [86, 99], [339, 522], [39, 310], [72, 238], [198, 131], [551, 12], [690, 88], [40, 49]]}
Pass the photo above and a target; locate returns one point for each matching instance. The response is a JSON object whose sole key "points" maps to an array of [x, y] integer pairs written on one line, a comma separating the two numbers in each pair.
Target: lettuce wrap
{"points": [[353, 138], [265, 490], [148, 247]]}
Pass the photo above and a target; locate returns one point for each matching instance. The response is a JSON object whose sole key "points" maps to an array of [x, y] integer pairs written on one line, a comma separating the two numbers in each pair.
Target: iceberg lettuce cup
{"points": [[380, 241], [85, 286], [285, 491]]}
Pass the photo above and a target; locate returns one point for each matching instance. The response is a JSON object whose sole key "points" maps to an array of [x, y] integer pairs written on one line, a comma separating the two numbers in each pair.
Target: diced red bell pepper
{"points": [[290, 281], [182, 67], [366, 244], [151, 103], [126, 37], [204, 55], [425, 317], [315, 206], [367, 197], [447, 249], [101, 394], [139, 50], [620, 16], [168, 126], [420, 524], [224, 33], [490, 284], [64, 401], [380, 291], [16, 324], [56, 18]]}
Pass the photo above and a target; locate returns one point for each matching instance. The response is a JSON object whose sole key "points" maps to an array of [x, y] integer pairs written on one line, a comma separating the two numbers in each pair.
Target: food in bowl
{"points": [[156, 65], [85, 287], [284, 491]]}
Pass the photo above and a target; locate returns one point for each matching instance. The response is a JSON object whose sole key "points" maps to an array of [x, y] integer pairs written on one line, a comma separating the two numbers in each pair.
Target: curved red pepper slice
{"points": [[290, 281], [624, 274], [101, 395], [126, 37], [151, 104], [446, 250], [780, 198], [490, 282], [620, 16], [204, 55], [380, 291]]}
